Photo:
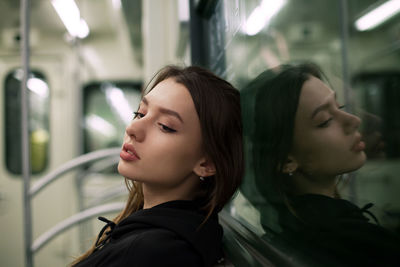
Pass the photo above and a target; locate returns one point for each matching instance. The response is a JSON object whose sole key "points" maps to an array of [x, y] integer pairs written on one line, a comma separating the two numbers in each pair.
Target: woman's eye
{"points": [[325, 123], [166, 128], [138, 115]]}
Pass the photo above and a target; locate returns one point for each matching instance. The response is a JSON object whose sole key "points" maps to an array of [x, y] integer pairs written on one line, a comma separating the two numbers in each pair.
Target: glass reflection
{"points": [[302, 141], [357, 65]]}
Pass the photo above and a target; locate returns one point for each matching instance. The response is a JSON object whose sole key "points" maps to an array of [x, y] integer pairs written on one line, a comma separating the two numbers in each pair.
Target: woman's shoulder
{"points": [[160, 247], [172, 233], [145, 247]]}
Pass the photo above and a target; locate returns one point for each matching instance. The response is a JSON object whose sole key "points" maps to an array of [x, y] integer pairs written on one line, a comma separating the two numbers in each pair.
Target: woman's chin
{"points": [[360, 161], [363, 157], [122, 169]]}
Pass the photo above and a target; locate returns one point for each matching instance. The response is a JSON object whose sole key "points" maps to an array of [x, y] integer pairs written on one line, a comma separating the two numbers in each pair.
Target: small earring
{"points": [[201, 178], [290, 173]]}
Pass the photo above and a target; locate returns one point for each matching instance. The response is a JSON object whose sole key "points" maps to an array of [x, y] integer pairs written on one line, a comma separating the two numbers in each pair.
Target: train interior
{"points": [[85, 83]]}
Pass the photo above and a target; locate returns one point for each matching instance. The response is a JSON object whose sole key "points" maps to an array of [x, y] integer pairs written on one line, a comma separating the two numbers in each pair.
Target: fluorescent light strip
{"points": [[70, 15], [117, 4], [261, 15], [183, 10], [378, 15]]}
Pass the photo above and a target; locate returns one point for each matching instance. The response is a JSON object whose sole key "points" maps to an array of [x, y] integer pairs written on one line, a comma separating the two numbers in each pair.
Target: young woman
{"points": [[182, 160], [303, 140]]}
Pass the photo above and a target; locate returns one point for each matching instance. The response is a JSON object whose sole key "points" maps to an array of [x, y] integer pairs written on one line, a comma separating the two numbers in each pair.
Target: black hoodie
{"points": [[169, 234], [337, 230]]}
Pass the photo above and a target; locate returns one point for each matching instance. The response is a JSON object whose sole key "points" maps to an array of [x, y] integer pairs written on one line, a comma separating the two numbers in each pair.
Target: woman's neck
{"points": [[312, 185], [155, 196]]}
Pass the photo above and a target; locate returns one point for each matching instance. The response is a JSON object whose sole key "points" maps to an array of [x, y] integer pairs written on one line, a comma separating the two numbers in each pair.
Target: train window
{"points": [[108, 107], [377, 100], [377, 103], [241, 39], [38, 94]]}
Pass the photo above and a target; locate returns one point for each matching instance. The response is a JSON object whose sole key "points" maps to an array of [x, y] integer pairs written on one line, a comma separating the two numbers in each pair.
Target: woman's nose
{"points": [[351, 122], [135, 130]]}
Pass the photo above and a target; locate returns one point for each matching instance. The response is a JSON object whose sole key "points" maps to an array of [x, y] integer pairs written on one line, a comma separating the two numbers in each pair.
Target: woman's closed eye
{"points": [[163, 127], [167, 129], [325, 123]]}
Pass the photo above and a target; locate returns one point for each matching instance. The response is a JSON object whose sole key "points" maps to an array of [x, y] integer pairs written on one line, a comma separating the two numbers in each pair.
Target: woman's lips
{"points": [[128, 153], [358, 145]]}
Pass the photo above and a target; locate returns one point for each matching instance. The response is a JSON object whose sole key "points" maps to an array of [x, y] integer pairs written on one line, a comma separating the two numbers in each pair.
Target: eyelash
{"points": [[164, 128], [326, 123], [137, 114]]}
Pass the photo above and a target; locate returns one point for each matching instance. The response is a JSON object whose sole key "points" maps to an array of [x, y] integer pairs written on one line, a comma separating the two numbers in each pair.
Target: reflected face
{"points": [[326, 138], [163, 142]]}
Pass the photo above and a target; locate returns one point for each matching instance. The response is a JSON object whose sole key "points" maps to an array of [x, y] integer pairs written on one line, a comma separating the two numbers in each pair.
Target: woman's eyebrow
{"points": [[171, 112], [322, 107], [165, 110]]}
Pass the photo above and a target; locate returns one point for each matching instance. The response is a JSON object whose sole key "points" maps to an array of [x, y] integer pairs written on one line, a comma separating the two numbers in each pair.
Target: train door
{"points": [[52, 143]]}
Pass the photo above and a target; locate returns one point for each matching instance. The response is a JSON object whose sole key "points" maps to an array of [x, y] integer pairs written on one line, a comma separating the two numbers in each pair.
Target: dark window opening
{"points": [[38, 94]]}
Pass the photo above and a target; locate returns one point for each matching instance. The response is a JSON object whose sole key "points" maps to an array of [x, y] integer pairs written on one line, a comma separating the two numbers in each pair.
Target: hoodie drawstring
{"points": [[110, 224], [365, 209]]}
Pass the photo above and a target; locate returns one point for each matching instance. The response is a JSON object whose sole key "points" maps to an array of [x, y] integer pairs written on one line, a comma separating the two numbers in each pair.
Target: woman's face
{"points": [[163, 143], [326, 138]]}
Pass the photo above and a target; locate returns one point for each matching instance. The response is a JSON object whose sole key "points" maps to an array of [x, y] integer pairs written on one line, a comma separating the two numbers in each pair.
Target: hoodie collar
{"points": [[320, 209], [183, 218]]}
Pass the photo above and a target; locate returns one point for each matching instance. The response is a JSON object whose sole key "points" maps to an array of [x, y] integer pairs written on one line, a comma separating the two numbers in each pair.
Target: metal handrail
{"points": [[31, 248], [108, 195], [71, 221], [70, 165]]}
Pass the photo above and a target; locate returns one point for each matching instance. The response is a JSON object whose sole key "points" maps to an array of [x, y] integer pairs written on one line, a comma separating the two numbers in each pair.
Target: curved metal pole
{"points": [[109, 194], [25, 151], [97, 167], [74, 219], [70, 165]]}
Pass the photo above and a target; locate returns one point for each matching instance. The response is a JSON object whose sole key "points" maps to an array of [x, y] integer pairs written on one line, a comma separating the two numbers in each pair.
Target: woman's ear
{"points": [[290, 165], [205, 167]]}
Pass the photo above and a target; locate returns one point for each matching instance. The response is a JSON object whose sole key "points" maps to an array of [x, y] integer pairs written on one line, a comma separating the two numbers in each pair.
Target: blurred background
{"points": [[89, 60]]}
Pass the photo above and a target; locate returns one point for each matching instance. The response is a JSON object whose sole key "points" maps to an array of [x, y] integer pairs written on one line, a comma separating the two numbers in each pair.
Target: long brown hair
{"points": [[274, 96], [276, 102], [217, 104]]}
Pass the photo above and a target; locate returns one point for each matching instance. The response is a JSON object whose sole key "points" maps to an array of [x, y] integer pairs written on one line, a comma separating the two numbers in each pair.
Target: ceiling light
{"points": [[261, 16], [378, 15], [70, 15]]}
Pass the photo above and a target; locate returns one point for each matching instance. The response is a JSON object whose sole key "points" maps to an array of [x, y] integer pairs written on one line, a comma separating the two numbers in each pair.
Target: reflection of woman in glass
{"points": [[303, 140], [182, 159]]}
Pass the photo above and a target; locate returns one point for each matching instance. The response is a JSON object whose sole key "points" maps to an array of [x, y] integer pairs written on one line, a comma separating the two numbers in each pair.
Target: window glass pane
{"points": [[375, 76], [249, 37], [38, 93], [108, 109]]}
